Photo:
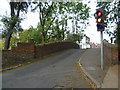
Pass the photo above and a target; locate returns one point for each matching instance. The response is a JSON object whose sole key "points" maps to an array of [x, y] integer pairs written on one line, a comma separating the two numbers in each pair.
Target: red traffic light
{"points": [[99, 13]]}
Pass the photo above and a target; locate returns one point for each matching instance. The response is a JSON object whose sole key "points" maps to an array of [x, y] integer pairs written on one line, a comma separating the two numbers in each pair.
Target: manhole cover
{"points": [[90, 68], [57, 86]]}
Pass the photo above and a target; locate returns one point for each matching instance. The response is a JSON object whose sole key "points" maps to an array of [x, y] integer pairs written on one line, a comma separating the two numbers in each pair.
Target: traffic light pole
{"points": [[101, 49], [99, 15]]}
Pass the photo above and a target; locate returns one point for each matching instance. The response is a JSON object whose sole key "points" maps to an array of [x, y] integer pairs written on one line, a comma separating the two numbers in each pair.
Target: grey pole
{"points": [[101, 50]]}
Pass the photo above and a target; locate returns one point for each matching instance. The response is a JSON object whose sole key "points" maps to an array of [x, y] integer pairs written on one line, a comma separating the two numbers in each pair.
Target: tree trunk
{"points": [[63, 31], [9, 34], [43, 36], [7, 41]]}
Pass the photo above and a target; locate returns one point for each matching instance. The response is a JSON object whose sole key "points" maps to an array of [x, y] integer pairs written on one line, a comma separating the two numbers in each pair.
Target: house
{"points": [[85, 42]]}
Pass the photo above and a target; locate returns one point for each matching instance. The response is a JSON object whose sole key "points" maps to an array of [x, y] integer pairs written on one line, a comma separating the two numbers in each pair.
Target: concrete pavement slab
{"points": [[111, 78], [90, 64]]}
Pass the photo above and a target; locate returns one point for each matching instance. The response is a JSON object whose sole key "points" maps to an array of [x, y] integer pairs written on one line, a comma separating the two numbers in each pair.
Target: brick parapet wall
{"points": [[110, 53], [28, 51], [24, 47], [46, 49], [12, 57]]}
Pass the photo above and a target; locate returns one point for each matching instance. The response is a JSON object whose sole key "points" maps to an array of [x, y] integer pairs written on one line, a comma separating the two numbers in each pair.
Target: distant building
{"points": [[98, 45], [84, 44]]}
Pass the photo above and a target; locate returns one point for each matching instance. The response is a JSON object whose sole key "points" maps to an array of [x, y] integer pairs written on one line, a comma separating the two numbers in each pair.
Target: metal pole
{"points": [[102, 50]]}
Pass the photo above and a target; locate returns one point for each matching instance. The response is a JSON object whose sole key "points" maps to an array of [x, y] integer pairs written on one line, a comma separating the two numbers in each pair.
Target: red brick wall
{"points": [[25, 47], [10, 58], [110, 53], [43, 50], [46, 49], [114, 53], [28, 51]]}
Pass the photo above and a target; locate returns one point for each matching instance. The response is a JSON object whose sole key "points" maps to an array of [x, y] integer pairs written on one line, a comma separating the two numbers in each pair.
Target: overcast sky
{"points": [[32, 19]]}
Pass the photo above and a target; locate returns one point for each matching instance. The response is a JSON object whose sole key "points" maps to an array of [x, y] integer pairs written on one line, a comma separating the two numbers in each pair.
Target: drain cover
{"points": [[57, 86], [90, 68]]}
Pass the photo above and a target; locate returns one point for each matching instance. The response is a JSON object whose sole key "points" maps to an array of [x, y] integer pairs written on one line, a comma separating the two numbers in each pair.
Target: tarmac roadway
{"points": [[58, 70]]}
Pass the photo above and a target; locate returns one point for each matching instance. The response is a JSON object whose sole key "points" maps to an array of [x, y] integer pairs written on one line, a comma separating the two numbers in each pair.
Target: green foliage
{"points": [[30, 33], [117, 35], [2, 44], [8, 21], [111, 18], [53, 25], [25, 36], [13, 21], [74, 37], [54, 18], [14, 40], [111, 11]]}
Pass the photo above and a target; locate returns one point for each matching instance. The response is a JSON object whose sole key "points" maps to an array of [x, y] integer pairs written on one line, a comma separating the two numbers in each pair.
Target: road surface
{"points": [[58, 70]]}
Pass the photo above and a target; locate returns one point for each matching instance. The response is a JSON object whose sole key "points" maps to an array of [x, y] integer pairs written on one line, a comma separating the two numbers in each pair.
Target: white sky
{"points": [[32, 19]]}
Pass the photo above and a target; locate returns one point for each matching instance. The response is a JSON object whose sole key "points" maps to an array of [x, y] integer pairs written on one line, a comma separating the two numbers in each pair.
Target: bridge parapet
{"points": [[25, 52], [49, 48]]}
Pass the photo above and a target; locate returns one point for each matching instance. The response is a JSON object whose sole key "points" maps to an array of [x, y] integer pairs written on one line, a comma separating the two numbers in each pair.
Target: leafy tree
{"points": [[54, 18], [46, 11], [12, 23], [112, 16], [14, 40], [74, 37], [79, 14], [30, 33], [53, 25]]}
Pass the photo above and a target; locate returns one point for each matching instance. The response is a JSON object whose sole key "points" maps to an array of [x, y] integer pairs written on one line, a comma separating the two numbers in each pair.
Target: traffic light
{"points": [[99, 15]]}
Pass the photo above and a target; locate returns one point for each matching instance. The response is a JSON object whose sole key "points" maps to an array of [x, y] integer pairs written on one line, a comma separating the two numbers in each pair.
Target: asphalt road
{"points": [[58, 70]]}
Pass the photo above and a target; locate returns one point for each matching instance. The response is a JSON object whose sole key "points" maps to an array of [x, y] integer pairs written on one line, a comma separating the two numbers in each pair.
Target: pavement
{"points": [[89, 64], [111, 78]]}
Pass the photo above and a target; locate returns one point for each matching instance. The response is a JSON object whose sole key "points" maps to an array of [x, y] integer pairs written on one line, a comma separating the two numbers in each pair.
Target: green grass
{"points": [[1, 44]]}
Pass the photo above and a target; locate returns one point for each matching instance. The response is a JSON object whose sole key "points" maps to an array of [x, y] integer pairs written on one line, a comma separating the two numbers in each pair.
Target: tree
{"points": [[30, 33], [46, 11], [12, 23], [112, 16], [79, 14], [54, 18], [74, 37], [25, 35]]}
